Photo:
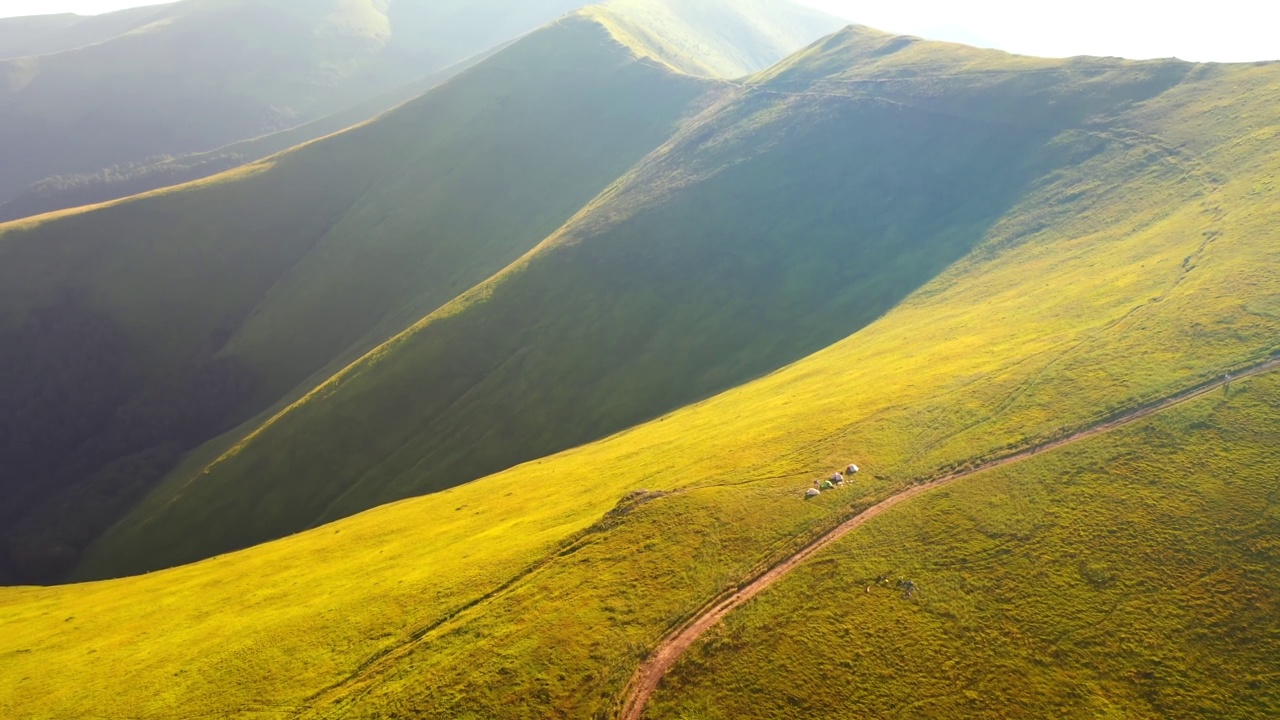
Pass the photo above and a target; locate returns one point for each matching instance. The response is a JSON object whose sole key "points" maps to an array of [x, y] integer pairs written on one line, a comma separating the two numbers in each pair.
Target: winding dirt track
{"points": [[679, 640]]}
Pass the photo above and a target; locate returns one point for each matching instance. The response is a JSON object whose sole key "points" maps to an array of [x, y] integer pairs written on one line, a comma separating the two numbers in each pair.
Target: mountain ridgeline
{"points": [[774, 223], [210, 302], [137, 177], [102, 107]]}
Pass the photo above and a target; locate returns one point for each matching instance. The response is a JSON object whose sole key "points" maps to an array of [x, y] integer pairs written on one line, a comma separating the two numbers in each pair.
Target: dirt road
{"points": [[669, 650]]}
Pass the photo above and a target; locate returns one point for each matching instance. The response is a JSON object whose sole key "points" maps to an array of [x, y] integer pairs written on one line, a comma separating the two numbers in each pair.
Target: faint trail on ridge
{"points": [[670, 649]]}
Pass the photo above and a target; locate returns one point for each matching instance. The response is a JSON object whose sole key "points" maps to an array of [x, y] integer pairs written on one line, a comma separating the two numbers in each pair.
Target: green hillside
{"points": [[136, 330], [1136, 576], [1141, 269], [1039, 332], [774, 224]]}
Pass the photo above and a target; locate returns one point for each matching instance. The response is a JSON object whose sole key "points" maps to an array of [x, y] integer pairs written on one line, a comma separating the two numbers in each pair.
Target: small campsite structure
{"points": [[907, 587]]}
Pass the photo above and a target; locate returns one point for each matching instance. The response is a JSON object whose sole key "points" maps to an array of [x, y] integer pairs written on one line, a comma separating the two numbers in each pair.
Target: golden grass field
{"points": [[1133, 575]]}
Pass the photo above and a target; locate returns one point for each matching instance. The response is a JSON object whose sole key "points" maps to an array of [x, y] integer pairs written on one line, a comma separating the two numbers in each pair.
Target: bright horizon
{"points": [[1234, 31]]}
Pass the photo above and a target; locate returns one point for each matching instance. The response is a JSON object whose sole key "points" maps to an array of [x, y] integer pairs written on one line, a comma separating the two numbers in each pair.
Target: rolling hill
{"points": [[135, 178], [777, 222], [1140, 265], [346, 241], [202, 305], [171, 80], [97, 108]]}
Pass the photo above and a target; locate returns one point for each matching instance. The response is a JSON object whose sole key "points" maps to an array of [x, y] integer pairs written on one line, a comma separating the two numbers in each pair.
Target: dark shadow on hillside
{"points": [[81, 439]]}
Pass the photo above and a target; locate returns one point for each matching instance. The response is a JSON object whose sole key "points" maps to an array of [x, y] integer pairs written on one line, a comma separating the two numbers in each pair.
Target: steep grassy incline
{"points": [[1133, 576], [773, 225], [197, 75], [1144, 269], [133, 331], [1136, 575]]}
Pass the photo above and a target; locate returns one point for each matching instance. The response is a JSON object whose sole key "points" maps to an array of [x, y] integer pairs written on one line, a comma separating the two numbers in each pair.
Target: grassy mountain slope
{"points": [[138, 329], [1134, 576], [1141, 270], [1053, 324], [774, 224], [197, 75]]}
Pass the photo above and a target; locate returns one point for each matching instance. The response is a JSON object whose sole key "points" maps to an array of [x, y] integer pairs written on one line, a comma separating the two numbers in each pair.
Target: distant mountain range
{"points": [[97, 108]]}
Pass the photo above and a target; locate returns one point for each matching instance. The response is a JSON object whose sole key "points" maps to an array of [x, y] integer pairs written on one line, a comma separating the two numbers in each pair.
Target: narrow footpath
{"points": [[678, 641]]}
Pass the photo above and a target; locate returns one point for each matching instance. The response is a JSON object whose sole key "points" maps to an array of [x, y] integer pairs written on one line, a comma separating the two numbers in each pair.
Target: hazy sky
{"points": [[1214, 30], [1220, 30], [9, 8]]}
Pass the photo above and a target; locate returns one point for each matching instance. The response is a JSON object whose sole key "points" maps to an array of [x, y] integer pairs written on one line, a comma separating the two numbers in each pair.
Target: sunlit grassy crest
{"points": [[710, 38]]}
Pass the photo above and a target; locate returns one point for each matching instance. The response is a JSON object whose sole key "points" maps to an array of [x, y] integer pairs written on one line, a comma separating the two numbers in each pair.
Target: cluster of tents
{"points": [[908, 587], [835, 481]]}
